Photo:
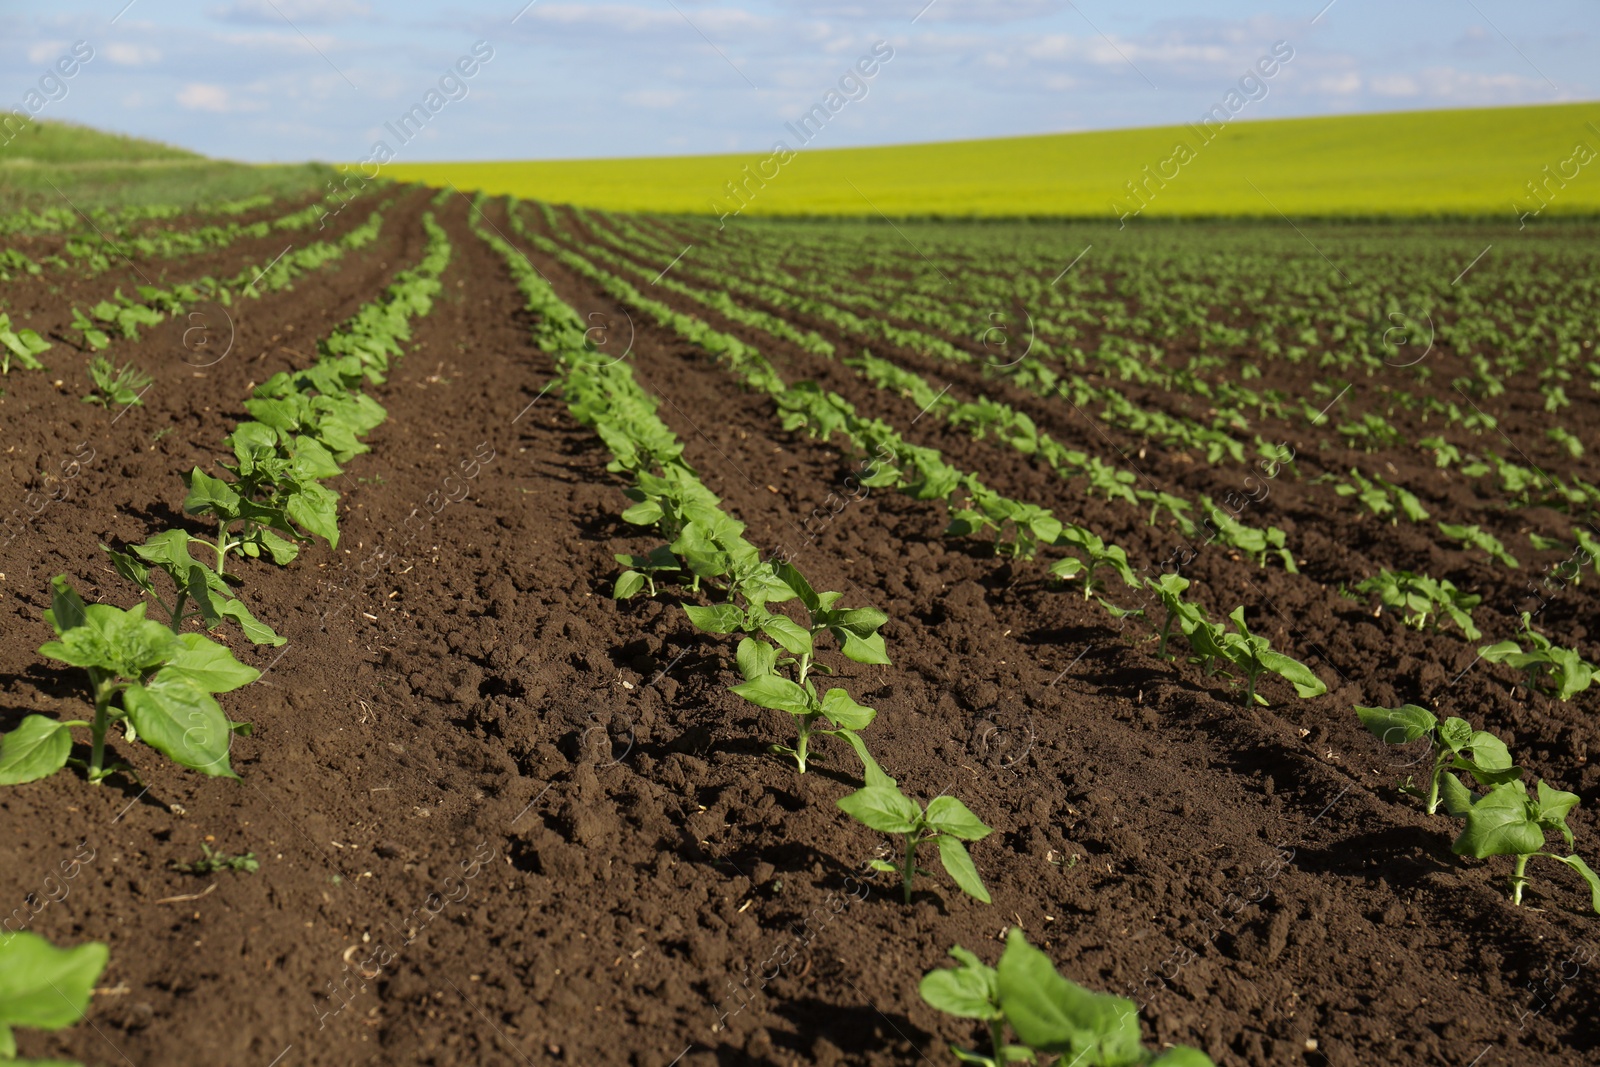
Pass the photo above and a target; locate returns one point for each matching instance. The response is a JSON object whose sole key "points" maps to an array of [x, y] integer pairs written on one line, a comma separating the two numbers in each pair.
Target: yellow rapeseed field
{"points": [[1484, 161]]}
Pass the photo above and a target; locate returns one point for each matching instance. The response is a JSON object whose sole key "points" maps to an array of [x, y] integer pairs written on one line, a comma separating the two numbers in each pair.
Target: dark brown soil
{"points": [[550, 835]]}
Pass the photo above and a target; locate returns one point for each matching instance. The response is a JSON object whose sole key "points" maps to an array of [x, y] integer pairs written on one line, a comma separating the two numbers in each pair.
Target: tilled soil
{"points": [[503, 819]]}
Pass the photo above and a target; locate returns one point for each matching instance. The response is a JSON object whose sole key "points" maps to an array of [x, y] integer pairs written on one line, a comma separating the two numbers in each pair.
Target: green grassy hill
{"points": [[1461, 162], [42, 162], [65, 143]]}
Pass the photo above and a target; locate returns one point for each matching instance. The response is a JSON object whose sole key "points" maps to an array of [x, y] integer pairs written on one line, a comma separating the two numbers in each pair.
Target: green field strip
{"points": [[1470, 162]]}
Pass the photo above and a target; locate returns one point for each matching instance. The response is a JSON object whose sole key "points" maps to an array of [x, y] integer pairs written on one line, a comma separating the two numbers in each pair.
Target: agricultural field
{"points": [[1464, 162], [447, 628]]}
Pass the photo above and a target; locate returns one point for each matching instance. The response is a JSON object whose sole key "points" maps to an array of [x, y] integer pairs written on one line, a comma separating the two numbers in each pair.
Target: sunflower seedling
{"points": [[1097, 554], [93, 336], [1419, 596], [21, 345], [1254, 657], [195, 585], [1570, 672], [946, 822], [1506, 821], [1474, 537], [1049, 1014], [44, 988], [782, 682], [1384, 499], [124, 386], [1456, 746], [158, 684], [1029, 524]]}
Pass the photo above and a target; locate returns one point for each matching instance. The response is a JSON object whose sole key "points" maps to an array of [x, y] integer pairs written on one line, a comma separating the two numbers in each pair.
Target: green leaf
{"points": [[209, 665], [755, 658], [281, 549], [1398, 726], [628, 584], [182, 722], [772, 691], [717, 619], [36, 749], [66, 606], [1553, 807], [1305, 683], [1490, 762], [43, 987], [871, 773], [1051, 1014], [123, 643], [1182, 1056], [862, 649], [256, 631], [967, 992], [1456, 797], [1499, 824], [646, 513], [883, 808], [796, 581], [210, 496], [795, 640], [839, 709], [953, 854], [315, 509], [949, 815], [1456, 734]]}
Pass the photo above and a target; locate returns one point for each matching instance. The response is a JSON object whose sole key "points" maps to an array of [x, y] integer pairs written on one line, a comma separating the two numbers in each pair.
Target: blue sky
{"points": [[281, 80]]}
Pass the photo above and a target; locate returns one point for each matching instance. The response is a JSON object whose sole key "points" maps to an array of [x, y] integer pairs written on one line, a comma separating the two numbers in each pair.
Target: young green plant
{"points": [[947, 822], [1506, 821], [1254, 657], [123, 386], [1569, 671], [1418, 596], [156, 683], [1456, 746], [782, 682], [1049, 1014]]}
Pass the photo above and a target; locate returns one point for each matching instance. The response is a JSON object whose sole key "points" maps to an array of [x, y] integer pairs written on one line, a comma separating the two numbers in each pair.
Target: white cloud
{"points": [[658, 98], [1395, 85], [318, 12], [989, 12], [198, 96], [47, 51], [632, 18], [132, 55], [287, 40]]}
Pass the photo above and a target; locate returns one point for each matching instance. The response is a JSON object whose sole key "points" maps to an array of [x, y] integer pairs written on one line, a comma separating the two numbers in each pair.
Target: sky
{"points": [[288, 80]]}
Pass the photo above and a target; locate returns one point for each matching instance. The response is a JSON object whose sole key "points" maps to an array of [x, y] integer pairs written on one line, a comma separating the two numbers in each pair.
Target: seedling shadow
{"points": [[1405, 856], [854, 1030]]}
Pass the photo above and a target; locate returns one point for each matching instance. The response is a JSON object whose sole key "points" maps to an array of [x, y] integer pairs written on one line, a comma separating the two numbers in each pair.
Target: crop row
{"points": [[777, 657], [1563, 669], [985, 418], [158, 680]]}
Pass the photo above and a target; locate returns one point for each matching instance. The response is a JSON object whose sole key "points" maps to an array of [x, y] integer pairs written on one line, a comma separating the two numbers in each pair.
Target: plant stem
{"points": [[1519, 877], [104, 689], [1438, 772], [997, 1039], [911, 864], [804, 743], [222, 547]]}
